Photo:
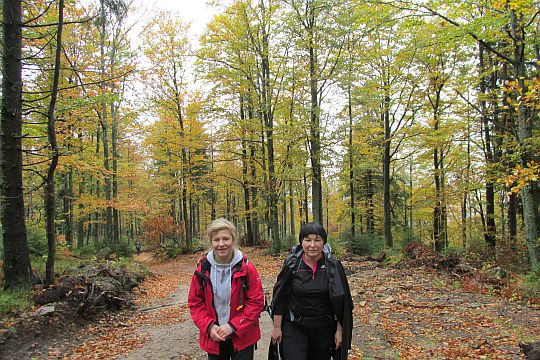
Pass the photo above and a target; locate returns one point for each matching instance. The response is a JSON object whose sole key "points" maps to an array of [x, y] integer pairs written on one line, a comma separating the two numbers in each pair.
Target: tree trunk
{"points": [[246, 185], [351, 166], [105, 127], [465, 198], [315, 138], [17, 266], [80, 221], [114, 145], [438, 236], [50, 196], [439, 221], [489, 230], [284, 219], [67, 199], [387, 216], [268, 119], [291, 209], [254, 194], [410, 224], [524, 135], [370, 213], [306, 212]]}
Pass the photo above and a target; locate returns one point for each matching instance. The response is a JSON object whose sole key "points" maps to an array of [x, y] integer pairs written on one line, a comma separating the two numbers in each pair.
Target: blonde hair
{"points": [[218, 225]]}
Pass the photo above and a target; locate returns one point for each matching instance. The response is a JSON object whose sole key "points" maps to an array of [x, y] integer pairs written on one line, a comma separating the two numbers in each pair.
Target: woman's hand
{"points": [[224, 331], [214, 333], [276, 335], [338, 338]]}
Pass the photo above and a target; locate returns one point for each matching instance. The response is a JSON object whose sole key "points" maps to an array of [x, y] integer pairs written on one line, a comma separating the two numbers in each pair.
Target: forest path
{"points": [[400, 313], [169, 331]]}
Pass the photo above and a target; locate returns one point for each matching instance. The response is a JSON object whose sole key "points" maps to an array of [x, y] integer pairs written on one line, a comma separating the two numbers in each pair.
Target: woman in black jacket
{"points": [[311, 303]]}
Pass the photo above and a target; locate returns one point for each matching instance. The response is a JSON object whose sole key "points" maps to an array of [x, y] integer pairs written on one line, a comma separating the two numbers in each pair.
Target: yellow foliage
{"points": [[520, 176]]}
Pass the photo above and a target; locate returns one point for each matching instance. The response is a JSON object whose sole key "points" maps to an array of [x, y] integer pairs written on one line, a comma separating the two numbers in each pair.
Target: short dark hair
{"points": [[312, 228]]}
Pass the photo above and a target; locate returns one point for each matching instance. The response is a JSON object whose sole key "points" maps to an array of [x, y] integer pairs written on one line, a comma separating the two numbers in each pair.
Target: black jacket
{"points": [[340, 294]]}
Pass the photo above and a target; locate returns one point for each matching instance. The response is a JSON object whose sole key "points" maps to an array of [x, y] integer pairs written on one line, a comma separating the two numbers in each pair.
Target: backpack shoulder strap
{"points": [[205, 267], [244, 280]]}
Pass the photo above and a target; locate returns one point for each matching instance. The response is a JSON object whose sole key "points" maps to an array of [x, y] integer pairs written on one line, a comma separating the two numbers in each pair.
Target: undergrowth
{"points": [[15, 300]]}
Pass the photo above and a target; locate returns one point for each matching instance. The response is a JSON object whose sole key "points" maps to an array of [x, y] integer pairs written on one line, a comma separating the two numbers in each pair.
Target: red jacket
{"points": [[246, 306]]}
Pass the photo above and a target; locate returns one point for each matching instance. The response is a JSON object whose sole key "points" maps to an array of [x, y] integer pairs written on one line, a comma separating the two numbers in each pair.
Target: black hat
{"points": [[312, 228]]}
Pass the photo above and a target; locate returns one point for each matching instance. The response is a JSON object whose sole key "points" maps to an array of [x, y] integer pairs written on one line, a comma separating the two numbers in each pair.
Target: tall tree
{"points": [[112, 12], [260, 37], [167, 48], [489, 218], [17, 265], [323, 44], [50, 194]]}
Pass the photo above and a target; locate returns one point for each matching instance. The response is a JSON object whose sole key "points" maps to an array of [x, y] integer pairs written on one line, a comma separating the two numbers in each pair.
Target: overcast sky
{"points": [[195, 11]]}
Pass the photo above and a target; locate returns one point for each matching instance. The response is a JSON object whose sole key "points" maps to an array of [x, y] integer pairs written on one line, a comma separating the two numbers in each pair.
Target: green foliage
{"points": [[457, 252], [104, 253], [534, 275], [124, 248], [456, 284], [271, 251], [289, 241], [339, 246], [86, 251], [406, 237], [104, 250], [531, 286], [366, 244], [60, 264], [477, 251], [37, 239], [172, 249], [394, 256], [13, 300], [64, 260]]}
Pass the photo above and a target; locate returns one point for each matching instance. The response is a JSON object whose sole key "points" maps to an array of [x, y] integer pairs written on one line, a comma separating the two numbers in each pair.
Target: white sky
{"points": [[195, 11]]}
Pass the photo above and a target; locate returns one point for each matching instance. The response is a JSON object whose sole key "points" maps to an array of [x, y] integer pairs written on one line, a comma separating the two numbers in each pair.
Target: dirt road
{"points": [[179, 339], [405, 313], [400, 313]]}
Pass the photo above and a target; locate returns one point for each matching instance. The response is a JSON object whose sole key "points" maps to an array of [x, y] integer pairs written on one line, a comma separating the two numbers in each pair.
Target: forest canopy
{"points": [[388, 122]]}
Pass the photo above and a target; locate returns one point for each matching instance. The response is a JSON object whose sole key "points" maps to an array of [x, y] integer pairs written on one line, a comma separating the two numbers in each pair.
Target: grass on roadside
{"points": [[15, 300]]}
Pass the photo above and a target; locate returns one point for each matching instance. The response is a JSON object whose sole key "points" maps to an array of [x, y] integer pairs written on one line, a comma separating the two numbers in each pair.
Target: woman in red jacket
{"points": [[226, 297]]}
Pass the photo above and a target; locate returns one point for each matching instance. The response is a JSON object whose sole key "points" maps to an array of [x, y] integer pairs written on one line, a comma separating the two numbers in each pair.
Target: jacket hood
{"points": [[237, 256]]}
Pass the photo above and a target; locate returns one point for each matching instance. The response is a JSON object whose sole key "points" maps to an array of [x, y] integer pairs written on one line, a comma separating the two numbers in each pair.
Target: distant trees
{"points": [[507, 80], [387, 122]]}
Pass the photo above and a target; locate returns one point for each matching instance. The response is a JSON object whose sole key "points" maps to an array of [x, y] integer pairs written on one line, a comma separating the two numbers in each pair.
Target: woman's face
{"points": [[313, 244], [223, 246]]}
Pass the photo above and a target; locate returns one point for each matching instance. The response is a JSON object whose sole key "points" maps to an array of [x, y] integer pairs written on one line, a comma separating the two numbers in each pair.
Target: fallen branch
{"points": [[155, 307]]}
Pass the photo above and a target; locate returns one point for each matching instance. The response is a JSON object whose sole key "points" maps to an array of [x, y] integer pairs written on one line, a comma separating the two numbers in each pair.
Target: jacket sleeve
{"points": [[253, 304], [346, 316], [198, 308], [282, 288]]}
